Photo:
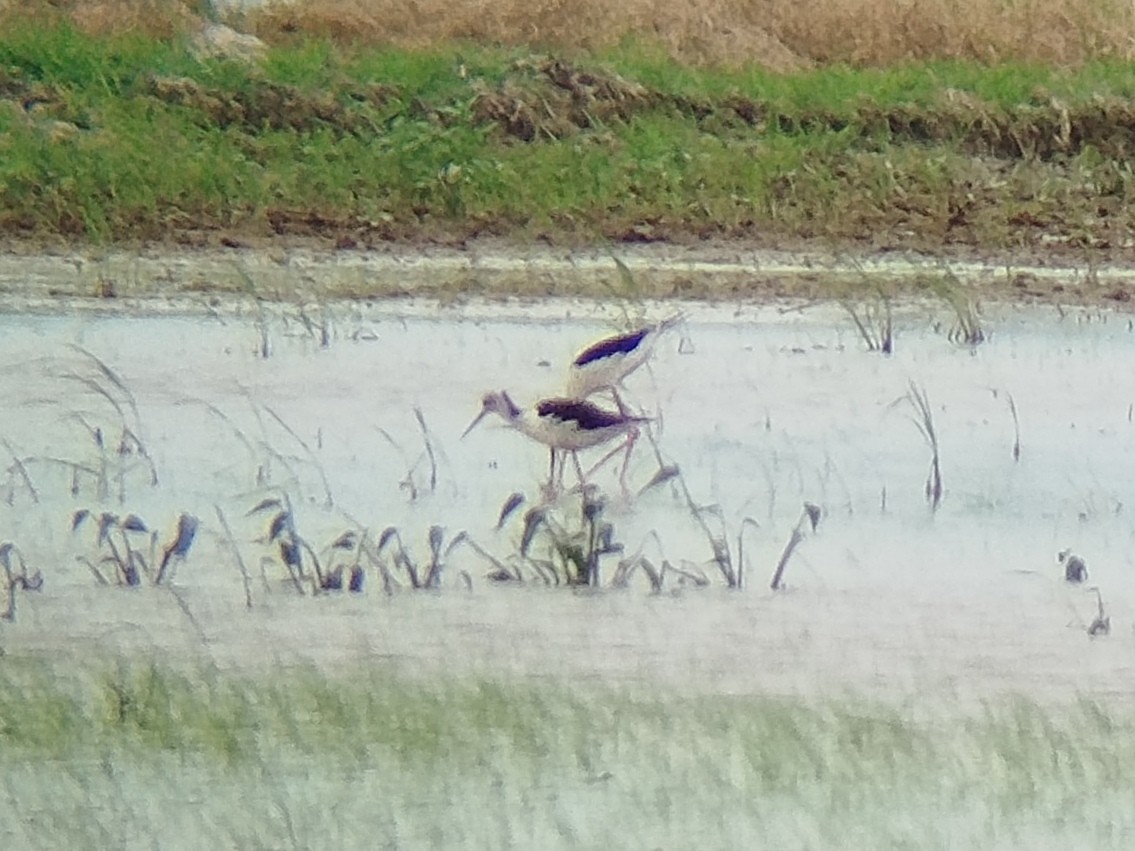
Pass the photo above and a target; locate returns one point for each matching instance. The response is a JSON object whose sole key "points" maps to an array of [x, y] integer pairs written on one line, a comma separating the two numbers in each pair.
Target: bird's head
{"points": [[496, 402]]}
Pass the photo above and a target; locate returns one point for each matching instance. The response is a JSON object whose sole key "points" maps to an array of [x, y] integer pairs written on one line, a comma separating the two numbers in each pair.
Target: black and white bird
{"points": [[603, 365], [565, 426]]}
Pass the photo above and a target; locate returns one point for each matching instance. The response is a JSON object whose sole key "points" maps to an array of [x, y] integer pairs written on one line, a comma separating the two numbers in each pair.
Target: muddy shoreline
{"points": [[159, 278]]}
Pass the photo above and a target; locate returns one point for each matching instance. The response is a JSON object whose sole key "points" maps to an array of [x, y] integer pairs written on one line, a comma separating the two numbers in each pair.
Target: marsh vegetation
{"points": [[247, 566], [281, 564], [460, 762]]}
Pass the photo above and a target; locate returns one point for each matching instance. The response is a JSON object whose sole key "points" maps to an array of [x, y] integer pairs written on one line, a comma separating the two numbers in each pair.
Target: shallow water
{"points": [[761, 408]]}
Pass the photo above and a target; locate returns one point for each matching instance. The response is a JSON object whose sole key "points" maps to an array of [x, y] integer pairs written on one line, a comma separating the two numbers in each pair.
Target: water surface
{"points": [[761, 408]]}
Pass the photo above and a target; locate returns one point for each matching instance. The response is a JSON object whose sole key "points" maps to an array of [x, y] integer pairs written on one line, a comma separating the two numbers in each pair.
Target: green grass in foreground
{"points": [[139, 755], [129, 138]]}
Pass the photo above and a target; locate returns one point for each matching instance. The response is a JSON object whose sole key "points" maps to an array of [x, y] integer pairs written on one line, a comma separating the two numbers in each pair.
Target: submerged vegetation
{"points": [[130, 134], [456, 762]]}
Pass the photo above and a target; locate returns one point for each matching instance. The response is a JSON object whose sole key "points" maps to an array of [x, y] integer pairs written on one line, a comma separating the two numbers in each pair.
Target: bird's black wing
{"points": [[587, 416], [623, 344]]}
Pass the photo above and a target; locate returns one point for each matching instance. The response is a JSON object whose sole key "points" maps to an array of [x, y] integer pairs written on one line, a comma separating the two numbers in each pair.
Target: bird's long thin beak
{"points": [[476, 420]]}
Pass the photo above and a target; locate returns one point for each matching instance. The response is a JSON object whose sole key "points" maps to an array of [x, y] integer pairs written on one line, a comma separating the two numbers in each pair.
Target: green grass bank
{"points": [[131, 139]]}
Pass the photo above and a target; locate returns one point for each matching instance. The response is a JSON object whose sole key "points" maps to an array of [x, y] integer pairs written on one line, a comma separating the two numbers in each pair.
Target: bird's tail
{"points": [[672, 320]]}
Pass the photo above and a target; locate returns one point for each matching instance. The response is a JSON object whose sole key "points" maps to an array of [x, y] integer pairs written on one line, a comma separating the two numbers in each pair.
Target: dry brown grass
{"points": [[886, 31], [159, 18], [780, 34], [718, 31]]}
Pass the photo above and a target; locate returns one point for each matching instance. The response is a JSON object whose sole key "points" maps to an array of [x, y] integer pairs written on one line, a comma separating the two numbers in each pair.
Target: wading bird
{"points": [[565, 426], [603, 365]]}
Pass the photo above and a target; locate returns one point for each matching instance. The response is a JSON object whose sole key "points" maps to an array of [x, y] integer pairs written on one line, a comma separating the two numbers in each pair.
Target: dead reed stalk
{"points": [[923, 418], [1101, 625], [1016, 427], [809, 517], [16, 578], [230, 539]]}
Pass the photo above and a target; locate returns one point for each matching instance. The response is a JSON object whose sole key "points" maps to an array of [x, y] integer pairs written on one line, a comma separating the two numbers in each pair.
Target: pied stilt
{"points": [[565, 426], [602, 366]]}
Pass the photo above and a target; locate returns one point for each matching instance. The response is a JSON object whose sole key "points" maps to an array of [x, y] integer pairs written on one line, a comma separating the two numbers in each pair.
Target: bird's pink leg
{"points": [[578, 469], [555, 485], [628, 445], [632, 436], [623, 409], [563, 453]]}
